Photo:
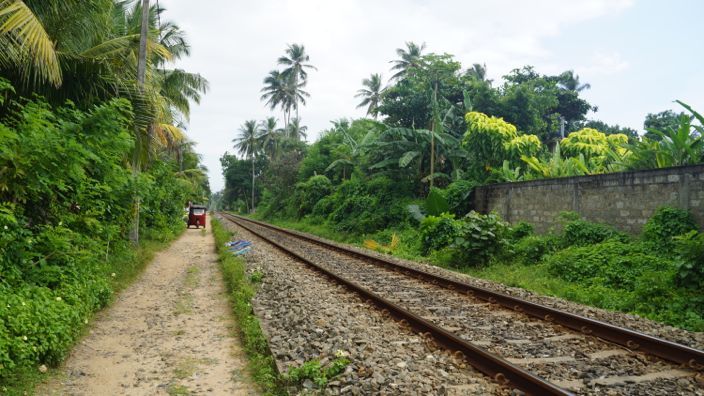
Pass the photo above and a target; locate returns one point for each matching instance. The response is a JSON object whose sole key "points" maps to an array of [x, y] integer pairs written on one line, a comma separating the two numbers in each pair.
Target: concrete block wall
{"points": [[625, 200]]}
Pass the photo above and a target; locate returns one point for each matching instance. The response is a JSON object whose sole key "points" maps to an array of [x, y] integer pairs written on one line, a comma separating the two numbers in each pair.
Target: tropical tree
{"points": [[570, 81], [477, 72], [555, 166], [295, 130], [270, 136], [247, 143], [371, 94], [281, 91], [25, 44], [489, 140], [409, 57], [296, 62]]}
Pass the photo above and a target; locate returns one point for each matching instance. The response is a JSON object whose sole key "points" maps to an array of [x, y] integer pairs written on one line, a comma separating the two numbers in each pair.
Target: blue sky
{"points": [[638, 55]]}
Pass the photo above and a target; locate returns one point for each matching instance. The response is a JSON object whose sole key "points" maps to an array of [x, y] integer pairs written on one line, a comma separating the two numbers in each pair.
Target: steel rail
{"points": [[630, 339], [495, 367]]}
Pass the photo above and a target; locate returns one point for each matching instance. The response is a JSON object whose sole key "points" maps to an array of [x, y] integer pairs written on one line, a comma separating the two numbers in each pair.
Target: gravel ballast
{"points": [[581, 363], [307, 317]]}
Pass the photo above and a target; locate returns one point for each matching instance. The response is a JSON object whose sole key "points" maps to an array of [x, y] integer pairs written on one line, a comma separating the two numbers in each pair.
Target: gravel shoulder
{"points": [[307, 317], [170, 332]]}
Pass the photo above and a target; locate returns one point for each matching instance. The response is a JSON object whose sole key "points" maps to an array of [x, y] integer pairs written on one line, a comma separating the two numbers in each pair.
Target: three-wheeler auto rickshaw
{"points": [[196, 216]]}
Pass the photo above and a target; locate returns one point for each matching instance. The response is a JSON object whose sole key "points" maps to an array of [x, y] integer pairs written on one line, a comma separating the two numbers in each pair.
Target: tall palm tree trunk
{"points": [[252, 183], [141, 71], [432, 138]]}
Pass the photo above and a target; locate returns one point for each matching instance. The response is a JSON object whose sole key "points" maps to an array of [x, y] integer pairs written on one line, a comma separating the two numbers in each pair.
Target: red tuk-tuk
{"points": [[196, 216]]}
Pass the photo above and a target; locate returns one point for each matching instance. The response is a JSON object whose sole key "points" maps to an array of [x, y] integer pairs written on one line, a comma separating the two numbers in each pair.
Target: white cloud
{"points": [[236, 43]]}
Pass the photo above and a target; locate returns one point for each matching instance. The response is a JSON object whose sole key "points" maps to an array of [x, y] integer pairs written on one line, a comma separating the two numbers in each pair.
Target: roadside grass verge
{"points": [[123, 266], [241, 289]]}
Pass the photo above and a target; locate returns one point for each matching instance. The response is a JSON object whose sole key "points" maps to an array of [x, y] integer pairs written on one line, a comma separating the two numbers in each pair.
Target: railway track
{"points": [[523, 345]]}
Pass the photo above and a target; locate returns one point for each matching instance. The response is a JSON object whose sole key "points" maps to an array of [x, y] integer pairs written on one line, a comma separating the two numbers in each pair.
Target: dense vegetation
{"points": [[89, 159], [402, 178]]}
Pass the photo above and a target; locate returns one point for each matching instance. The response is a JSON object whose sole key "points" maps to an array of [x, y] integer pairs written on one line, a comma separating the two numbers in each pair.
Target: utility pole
{"points": [[141, 71]]}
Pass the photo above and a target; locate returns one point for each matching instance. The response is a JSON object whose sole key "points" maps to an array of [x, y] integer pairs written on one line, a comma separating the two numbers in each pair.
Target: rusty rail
{"points": [[633, 340], [495, 367]]}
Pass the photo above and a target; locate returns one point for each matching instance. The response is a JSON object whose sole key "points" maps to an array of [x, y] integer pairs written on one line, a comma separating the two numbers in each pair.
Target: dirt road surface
{"points": [[169, 333]]}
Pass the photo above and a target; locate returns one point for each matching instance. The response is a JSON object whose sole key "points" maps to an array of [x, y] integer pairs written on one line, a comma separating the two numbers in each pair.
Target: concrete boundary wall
{"points": [[625, 200]]}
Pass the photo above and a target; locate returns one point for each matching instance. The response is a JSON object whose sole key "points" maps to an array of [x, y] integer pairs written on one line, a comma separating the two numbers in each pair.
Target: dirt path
{"points": [[170, 333]]}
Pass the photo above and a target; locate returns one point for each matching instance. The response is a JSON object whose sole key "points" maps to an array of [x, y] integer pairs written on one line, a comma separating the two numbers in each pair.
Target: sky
{"points": [[637, 55]]}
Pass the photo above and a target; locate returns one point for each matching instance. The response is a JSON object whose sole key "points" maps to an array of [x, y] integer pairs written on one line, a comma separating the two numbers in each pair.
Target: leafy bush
{"points": [[666, 223], [690, 268], [309, 193], [533, 248], [611, 263], [437, 232], [473, 239], [520, 230], [583, 233], [364, 208], [458, 194], [479, 238]]}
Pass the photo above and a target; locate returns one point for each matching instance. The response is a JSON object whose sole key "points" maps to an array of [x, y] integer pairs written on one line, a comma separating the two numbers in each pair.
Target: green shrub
{"points": [[666, 223], [582, 233], [308, 194], [690, 263], [457, 194], [611, 263], [364, 208], [479, 238], [437, 232], [472, 240], [533, 248], [520, 230]]}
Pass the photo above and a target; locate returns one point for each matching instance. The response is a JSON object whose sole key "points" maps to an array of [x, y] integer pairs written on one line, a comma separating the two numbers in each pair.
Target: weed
{"points": [[191, 279], [178, 390], [313, 371], [256, 276]]}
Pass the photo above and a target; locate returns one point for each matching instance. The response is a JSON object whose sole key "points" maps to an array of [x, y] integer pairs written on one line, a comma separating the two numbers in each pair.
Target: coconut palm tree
{"points": [[296, 62], [24, 43], [410, 57], [270, 136], [570, 81], [477, 72], [295, 130], [279, 91], [371, 94], [247, 143]]}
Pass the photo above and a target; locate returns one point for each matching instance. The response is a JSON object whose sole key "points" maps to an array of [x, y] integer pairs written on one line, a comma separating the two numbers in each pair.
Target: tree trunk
{"points": [[252, 183], [142, 61], [432, 136], [141, 71]]}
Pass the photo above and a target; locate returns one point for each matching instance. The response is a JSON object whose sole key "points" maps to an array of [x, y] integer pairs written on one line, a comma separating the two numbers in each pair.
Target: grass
{"points": [[123, 267], [187, 367], [178, 390], [241, 289]]}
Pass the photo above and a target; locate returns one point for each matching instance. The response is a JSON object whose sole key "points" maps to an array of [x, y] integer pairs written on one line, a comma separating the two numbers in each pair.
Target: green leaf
{"points": [[407, 157], [435, 203], [416, 212]]}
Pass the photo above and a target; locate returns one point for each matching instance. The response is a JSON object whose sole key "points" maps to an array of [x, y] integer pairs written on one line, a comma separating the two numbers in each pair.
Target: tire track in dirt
{"points": [[169, 333]]}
